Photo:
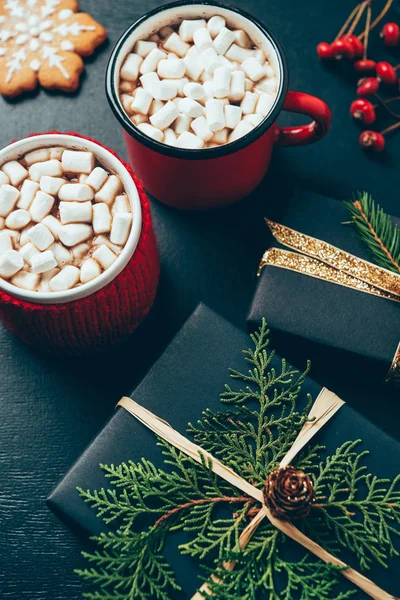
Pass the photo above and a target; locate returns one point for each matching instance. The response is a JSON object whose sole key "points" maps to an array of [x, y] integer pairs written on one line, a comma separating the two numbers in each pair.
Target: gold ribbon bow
{"points": [[323, 409], [321, 260]]}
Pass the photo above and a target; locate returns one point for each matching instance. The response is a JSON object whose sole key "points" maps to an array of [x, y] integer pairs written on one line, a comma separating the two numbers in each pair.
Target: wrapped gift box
{"points": [[316, 318], [187, 379]]}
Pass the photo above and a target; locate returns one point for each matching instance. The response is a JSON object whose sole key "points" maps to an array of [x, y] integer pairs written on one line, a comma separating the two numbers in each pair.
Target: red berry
{"points": [[386, 73], [367, 86], [364, 65], [324, 51], [363, 110], [372, 140], [391, 34], [342, 49], [356, 44]]}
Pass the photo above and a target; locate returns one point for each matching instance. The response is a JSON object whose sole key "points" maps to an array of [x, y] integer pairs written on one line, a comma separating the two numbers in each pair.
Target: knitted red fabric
{"points": [[99, 320]]}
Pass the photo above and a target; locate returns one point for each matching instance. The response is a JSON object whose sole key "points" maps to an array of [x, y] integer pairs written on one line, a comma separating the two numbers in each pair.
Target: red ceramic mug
{"points": [[212, 177]]}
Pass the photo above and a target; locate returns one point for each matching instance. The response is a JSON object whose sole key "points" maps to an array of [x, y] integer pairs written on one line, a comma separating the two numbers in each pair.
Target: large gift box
{"points": [[187, 380], [313, 317]]}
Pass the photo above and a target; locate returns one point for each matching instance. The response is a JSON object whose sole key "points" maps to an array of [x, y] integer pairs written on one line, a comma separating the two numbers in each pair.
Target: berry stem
{"points": [[378, 18], [384, 104], [348, 21], [391, 128], [367, 30], [358, 17]]}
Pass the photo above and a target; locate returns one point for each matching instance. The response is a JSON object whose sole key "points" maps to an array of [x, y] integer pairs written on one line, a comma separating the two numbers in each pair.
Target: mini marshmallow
{"points": [[242, 39], [181, 85], [215, 25], [104, 256], [172, 56], [228, 64], [18, 219], [171, 69], [76, 192], [121, 227], [210, 60], [73, 234], [220, 137], [42, 262], [259, 55], [126, 101], [15, 171], [53, 224], [269, 72], [176, 45], [143, 48], [155, 106], [151, 61], [24, 237], [248, 85], [253, 69], [28, 252], [53, 168], [66, 279], [10, 263], [41, 236], [206, 76], [249, 103], [36, 156], [242, 129], [224, 40], [253, 119], [235, 52], [166, 31], [50, 185], [187, 29], [150, 82], [26, 280], [126, 87], [233, 116], [152, 132], [189, 141], [166, 90], [139, 119], [165, 117], [264, 104], [193, 65], [122, 203], [45, 279], [237, 91], [77, 161], [141, 102], [102, 239], [169, 138], [55, 153], [102, 217], [131, 66], [97, 178], [191, 108], [201, 129], [80, 250], [28, 192], [8, 199], [215, 114], [182, 124], [269, 85], [5, 242], [202, 39], [208, 88], [222, 82], [15, 236], [75, 212], [61, 254], [90, 269], [112, 187], [4, 178], [194, 91]]}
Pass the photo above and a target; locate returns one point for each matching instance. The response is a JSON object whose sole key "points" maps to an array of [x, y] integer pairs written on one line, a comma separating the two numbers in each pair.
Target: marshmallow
{"points": [[131, 66], [15, 236], [73, 234], [193, 64], [53, 224], [97, 178], [104, 256], [139, 119], [50, 185], [215, 25], [233, 116], [215, 114], [18, 219], [176, 45], [28, 252], [224, 40], [102, 217], [143, 48], [259, 55], [165, 117], [15, 171], [121, 227], [181, 85], [26, 280], [190, 141], [166, 90], [46, 278], [169, 139], [150, 83], [206, 76], [194, 91], [248, 85], [122, 203], [24, 237], [126, 101], [76, 192], [126, 87], [141, 102], [66, 279], [264, 104], [42, 262], [90, 269], [182, 124], [241, 130], [5, 241], [210, 60], [269, 72], [208, 88], [8, 199], [111, 188], [202, 39], [75, 212], [249, 103], [254, 119], [36, 156], [220, 137], [80, 250], [5, 178], [171, 69], [151, 61], [269, 85], [237, 91], [201, 129], [28, 192], [235, 52], [55, 153], [10, 263], [75, 161], [41, 236], [222, 82], [103, 240], [253, 69], [187, 29], [155, 106], [242, 39], [166, 31], [151, 131], [53, 168], [191, 108], [61, 254]]}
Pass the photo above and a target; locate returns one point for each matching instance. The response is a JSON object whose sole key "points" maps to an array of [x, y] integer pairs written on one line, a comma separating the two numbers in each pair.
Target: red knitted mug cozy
{"points": [[102, 319]]}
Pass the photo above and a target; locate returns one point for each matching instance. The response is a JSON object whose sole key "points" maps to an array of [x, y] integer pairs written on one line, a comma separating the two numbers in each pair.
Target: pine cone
{"points": [[289, 493]]}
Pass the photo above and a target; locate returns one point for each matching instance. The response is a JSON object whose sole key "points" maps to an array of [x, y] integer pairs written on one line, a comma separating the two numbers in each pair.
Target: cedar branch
{"points": [[201, 501]]}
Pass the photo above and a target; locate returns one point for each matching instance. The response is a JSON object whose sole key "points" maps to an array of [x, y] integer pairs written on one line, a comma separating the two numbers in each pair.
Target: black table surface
{"points": [[51, 408]]}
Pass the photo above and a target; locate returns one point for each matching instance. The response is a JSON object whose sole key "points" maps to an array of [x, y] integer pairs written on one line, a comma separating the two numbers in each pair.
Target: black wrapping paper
{"points": [[188, 378], [363, 330]]}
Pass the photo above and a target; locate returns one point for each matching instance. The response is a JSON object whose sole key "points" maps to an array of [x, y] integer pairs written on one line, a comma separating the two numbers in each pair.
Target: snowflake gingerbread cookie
{"points": [[42, 41]]}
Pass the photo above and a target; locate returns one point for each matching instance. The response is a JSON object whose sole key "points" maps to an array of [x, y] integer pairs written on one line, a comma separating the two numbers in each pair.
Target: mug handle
{"points": [[302, 135]]}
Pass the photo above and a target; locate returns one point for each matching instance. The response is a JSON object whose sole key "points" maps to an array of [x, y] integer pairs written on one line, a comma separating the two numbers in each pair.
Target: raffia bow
{"points": [[323, 409]]}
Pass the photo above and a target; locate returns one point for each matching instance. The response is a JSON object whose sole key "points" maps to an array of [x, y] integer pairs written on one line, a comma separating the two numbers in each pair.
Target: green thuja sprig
{"points": [[144, 504]]}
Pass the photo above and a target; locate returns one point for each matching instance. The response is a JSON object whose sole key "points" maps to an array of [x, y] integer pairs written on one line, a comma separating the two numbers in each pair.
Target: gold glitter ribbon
{"points": [[321, 260]]}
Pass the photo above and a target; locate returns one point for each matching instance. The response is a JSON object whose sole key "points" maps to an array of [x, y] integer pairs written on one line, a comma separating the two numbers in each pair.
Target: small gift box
{"points": [[322, 302], [235, 522]]}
